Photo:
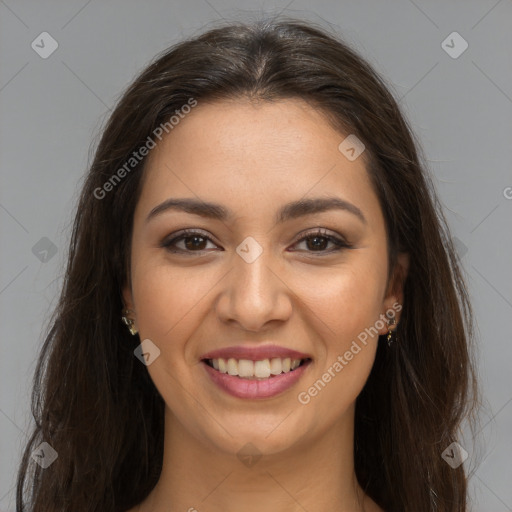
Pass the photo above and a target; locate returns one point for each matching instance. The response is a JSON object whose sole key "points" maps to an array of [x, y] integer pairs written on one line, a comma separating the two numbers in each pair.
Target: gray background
{"points": [[51, 111]]}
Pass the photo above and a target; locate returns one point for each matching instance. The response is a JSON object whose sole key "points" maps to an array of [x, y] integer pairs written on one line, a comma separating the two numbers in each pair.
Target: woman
{"points": [[262, 307]]}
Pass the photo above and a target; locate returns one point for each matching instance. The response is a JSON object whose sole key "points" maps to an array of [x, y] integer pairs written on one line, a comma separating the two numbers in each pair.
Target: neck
{"points": [[313, 476]]}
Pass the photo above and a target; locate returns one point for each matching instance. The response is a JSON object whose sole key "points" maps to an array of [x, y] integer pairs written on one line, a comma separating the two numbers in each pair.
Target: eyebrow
{"points": [[289, 211]]}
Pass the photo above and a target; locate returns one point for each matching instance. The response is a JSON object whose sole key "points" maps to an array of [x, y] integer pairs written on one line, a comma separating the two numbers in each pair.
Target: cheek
{"points": [[344, 307], [169, 302], [344, 300]]}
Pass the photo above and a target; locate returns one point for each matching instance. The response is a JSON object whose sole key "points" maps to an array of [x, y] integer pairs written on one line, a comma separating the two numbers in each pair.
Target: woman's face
{"points": [[255, 283]]}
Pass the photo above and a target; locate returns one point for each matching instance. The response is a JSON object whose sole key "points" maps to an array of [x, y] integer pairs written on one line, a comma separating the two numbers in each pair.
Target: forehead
{"points": [[253, 155]]}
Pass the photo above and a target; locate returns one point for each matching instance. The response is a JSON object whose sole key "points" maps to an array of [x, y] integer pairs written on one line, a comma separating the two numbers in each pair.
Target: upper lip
{"points": [[254, 353]]}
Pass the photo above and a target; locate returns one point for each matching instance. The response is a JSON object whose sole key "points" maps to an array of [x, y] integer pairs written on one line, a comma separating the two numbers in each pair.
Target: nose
{"points": [[254, 294]]}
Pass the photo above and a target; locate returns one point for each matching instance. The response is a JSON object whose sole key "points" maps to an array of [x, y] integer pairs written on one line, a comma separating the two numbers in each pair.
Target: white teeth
{"points": [[245, 368], [263, 369], [232, 366], [275, 366]]}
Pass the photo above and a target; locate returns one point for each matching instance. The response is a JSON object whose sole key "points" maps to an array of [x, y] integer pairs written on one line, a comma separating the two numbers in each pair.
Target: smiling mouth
{"points": [[256, 370]]}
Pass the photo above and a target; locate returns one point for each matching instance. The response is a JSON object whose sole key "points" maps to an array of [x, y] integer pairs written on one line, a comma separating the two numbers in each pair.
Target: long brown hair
{"points": [[96, 405]]}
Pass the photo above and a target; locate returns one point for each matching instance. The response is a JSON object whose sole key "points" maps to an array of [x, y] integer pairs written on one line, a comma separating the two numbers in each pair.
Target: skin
{"points": [[253, 158]]}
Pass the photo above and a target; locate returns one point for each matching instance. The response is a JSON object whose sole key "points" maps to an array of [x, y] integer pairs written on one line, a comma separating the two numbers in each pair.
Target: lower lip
{"points": [[253, 388]]}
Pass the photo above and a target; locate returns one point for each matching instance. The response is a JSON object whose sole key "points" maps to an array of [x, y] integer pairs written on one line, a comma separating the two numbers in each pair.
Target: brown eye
{"points": [[319, 241], [195, 242], [191, 241]]}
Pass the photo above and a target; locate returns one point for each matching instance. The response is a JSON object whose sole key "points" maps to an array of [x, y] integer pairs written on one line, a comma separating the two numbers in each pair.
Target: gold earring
{"points": [[129, 321], [392, 336]]}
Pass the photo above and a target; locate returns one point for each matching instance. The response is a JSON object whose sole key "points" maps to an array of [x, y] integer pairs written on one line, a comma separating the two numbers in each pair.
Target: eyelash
{"points": [[322, 233]]}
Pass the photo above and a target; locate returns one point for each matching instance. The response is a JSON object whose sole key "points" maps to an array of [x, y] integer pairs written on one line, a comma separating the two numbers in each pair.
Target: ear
{"points": [[128, 297], [394, 299]]}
